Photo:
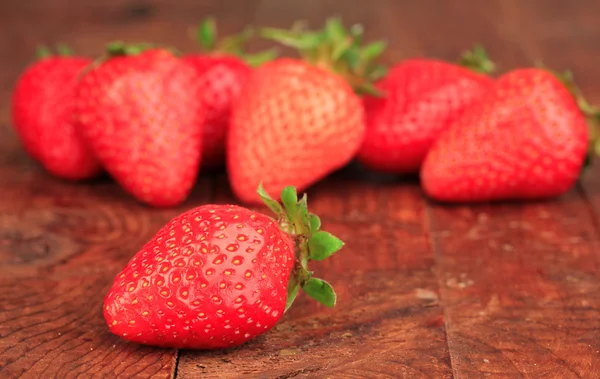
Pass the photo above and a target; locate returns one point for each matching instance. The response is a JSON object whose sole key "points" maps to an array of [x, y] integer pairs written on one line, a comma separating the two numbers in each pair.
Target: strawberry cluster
{"points": [[153, 118], [219, 275]]}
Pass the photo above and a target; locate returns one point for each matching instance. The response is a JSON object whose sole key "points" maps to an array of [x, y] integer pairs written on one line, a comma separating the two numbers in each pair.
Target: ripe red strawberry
{"points": [[217, 276], [296, 121], [221, 78], [527, 139], [139, 112], [222, 69], [422, 98], [42, 106]]}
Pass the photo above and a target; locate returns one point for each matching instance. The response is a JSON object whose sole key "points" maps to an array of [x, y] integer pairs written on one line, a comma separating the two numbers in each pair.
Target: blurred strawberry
{"points": [[42, 105], [422, 98], [298, 120], [527, 139], [223, 68], [139, 112]]}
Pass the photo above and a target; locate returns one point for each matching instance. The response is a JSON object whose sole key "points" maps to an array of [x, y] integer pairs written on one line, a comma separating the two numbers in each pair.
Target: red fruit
{"points": [[42, 106], [189, 287], [422, 98], [217, 276], [221, 78], [527, 139], [296, 121], [222, 68], [140, 115], [292, 125]]}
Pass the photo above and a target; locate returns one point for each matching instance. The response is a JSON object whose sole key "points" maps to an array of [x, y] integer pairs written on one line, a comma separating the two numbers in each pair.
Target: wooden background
{"points": [[425, 291]]}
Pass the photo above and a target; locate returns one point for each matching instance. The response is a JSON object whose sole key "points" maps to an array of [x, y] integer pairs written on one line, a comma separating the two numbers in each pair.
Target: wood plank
{"points": [[387, 323], [520, 288], [52, 226], [53, 328]]}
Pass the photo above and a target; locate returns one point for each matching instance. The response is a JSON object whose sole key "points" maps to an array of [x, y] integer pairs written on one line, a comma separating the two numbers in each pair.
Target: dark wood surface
{"points": [[425, 291]]}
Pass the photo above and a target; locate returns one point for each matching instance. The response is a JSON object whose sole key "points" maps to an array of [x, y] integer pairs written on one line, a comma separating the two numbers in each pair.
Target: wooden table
{"points": [[425, 290]]}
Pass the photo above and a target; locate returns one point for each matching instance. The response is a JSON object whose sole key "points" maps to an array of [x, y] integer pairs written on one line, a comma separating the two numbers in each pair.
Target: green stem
{"points": [[207, 37], [337, 49], [477, 60]]}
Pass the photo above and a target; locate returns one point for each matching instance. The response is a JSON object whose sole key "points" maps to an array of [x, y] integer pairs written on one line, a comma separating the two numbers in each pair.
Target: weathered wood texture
{"points": [[425, 290]]}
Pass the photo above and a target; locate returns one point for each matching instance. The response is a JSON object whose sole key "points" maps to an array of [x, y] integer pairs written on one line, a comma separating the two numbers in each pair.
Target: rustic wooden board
{"points": [[425, 290], [52, 327], [520, 288]]}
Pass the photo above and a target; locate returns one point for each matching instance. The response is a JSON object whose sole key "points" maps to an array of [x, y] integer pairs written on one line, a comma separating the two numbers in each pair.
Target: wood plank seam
{"points": [[433, 244]]}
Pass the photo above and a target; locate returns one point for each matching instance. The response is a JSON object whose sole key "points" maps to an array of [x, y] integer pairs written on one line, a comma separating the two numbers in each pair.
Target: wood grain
{"points": [[53, 328], [53, 226], [520, 289]]}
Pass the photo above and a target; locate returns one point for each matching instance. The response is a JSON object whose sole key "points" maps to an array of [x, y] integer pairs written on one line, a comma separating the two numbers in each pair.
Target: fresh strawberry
{"points": [[217, 276], [296, 120], [139, 112], [422, 98], [42, 106], [221, 78], [223, 69], [527, 139]]}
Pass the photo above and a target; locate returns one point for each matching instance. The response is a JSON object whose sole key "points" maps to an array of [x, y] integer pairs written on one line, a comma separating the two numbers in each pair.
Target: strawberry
{"points": [[527, 139], [422, 98], [297, 120], [42, 106], [217, 276], [222, 69], [139, 112]]}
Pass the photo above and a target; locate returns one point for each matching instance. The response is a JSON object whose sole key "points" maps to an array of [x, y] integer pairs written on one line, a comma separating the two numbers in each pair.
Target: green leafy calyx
{"points": [[477, 60], [121, 49], [61, 49], [311, 243], [336, 48], [118, 48], [207, 37]]}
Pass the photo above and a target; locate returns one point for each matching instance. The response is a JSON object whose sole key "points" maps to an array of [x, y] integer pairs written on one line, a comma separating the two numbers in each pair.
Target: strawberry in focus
{"points": [[421, 98], [222, 68], [139, 112], [298, 120], [527, 139], [42, 110], [217, 276]]}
